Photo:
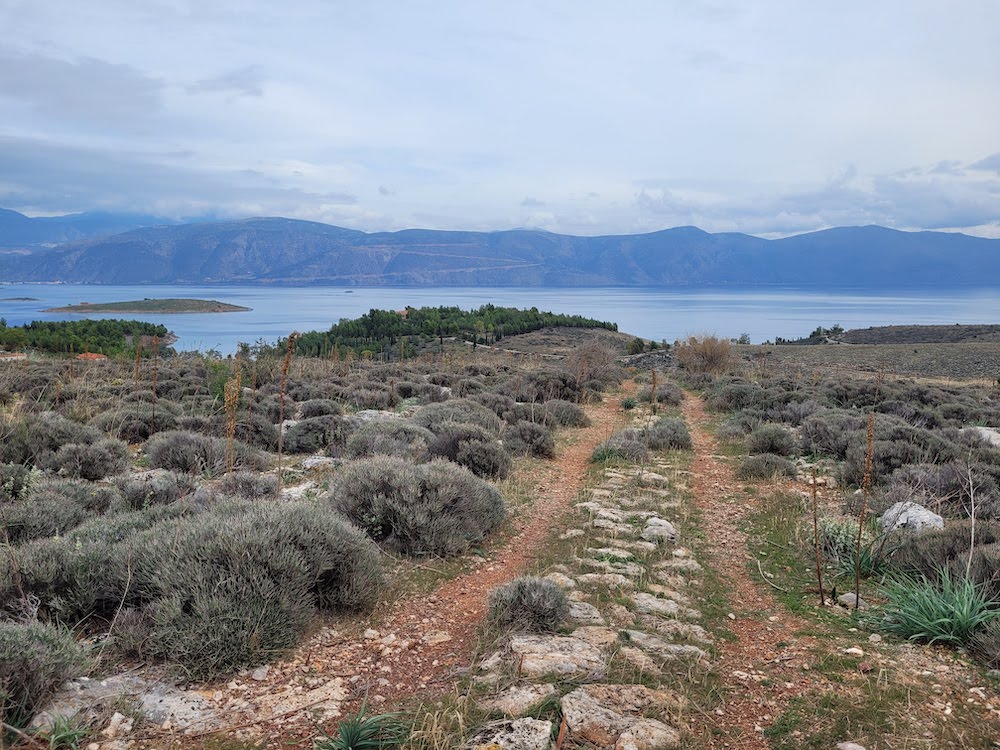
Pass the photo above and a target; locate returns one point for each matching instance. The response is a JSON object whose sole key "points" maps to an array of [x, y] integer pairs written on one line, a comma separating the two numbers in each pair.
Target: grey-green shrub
{"points": [[525, 438], [528, 604], [433, 508], [625, 445], [226, 590], [471, 446], [985, 645], [157, 487], [772, 438], [198, 454], [36, 437], [134, 424], [97, 460], [249, 485], [668, 433], [35, 660], [666, 393], [765, 466], [16, 481], [390, 437], [318, 407], [461, 410], [564, 414], [328, 433]]}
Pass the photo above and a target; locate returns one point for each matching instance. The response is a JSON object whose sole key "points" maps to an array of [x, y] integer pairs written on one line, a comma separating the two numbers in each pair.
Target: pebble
{"points": [[874, 638], [849, 746], [854, 651]]}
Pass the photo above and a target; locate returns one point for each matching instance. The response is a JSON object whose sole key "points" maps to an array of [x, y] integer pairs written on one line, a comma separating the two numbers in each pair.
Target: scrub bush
{"points": [[772, 438], [528, 604], [434, 508], [765, 466], [35, 660]]}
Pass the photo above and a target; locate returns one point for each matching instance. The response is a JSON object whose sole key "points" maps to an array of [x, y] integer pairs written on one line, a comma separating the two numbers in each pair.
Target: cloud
{"points": [[94, 178], [989, 164], [530, 202], [245, 81], [88, 90]]}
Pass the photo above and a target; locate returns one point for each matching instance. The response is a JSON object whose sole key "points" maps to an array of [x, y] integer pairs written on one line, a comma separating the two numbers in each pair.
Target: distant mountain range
{"points": [[288, 251], [18, 231]]}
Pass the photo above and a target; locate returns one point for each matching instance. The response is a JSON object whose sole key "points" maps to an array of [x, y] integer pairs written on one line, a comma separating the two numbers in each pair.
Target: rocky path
{"points": [[418, 646], [763, 667]]}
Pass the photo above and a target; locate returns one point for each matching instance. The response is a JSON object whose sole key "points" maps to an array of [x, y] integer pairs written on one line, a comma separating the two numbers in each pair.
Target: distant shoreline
{"points": [[157, 306]]}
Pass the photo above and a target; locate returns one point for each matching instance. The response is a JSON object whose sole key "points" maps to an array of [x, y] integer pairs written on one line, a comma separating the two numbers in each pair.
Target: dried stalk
{"points": [[819, 566], [652, 394], [285, 364], [156, 365], [866, 488], [232, 402]]}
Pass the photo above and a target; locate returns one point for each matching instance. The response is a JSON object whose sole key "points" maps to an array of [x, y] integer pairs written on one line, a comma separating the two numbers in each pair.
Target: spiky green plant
{"points": [[364, 731], [946, 609]]}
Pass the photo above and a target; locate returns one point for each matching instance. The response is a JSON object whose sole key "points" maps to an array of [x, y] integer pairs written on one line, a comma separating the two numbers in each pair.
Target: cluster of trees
{"points": [[818, 336], [110, 337], [385, 331]]}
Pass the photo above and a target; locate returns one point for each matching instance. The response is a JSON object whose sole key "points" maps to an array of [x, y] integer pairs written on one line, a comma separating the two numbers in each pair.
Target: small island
{"points": [[18, 299], [158, 306]]}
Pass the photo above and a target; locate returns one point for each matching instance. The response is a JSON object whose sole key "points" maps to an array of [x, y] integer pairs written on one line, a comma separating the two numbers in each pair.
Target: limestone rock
{"points": [[910, 515], [659, 530], [562, 580], [519, 734], [519, 699], [611, 716], [655, 645], [540, 655], [585, 612], [847, 600]]}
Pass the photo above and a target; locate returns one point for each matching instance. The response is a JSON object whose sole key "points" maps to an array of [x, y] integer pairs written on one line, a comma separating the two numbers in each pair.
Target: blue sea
{"points": [[655, 313]]}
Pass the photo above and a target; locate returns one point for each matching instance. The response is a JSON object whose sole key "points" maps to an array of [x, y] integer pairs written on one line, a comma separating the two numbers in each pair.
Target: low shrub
{"points": [[985, 645], [157, 487], [525, 438], [16, 481], [624, 445], [35, 438], [35, 660], [827, 432], [134, 424], [319, 407], [315, 434], [198, 454], [249, 485], [390, 437], [434, 508], [765, 466], [666, 393], [668, 433], [772, 438], [96, 460], [232, 589], [562, 413], [923, 555], [465, 411], [948, 609], [472, 447], [627, 403], [528, 604]]}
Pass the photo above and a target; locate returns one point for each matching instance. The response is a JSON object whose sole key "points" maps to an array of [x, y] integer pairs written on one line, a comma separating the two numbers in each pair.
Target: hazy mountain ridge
{"points": [[289, 251], [18, 231]]}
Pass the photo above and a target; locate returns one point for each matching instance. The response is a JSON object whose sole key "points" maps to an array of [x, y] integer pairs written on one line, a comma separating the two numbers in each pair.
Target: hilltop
{"points": [[287, 251]]}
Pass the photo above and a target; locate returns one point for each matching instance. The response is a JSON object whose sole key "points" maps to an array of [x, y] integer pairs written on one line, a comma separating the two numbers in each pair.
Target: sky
{"points": [[771, 117]]}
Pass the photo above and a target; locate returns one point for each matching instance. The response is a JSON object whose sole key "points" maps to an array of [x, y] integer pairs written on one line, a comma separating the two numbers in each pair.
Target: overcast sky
{"points": [[769, 117]]}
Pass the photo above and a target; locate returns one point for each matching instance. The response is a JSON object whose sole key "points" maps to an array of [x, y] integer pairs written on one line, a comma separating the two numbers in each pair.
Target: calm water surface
{"points": [[648, 312]]}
